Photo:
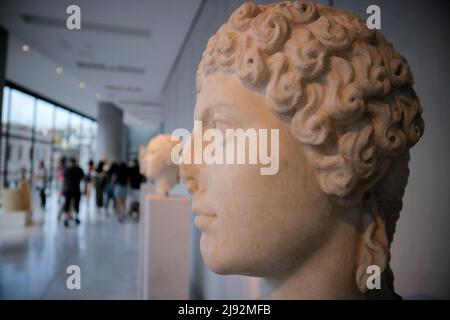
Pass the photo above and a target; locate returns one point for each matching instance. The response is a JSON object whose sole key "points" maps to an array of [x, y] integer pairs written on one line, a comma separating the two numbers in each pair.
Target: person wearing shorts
{"points": [[135, 178], [73, 175], [120, 189]]}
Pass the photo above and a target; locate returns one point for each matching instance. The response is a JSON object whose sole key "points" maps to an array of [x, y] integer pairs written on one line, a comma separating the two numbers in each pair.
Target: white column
{"points": [[110, 132]]}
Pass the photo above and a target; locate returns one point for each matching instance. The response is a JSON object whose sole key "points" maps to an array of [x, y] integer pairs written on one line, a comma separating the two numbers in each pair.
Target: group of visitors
{"points": [[115, 185], [118, 185]]}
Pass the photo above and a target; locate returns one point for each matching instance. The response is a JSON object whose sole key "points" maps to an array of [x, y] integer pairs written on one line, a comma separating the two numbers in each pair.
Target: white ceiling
{"points": [[159, 28]]}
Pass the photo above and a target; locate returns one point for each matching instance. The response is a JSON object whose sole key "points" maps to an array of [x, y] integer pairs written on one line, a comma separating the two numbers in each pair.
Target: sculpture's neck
{"points": [[330, 273]]}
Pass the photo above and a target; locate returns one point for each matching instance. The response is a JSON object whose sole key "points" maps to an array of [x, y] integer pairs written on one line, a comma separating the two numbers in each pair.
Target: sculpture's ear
{"points": [[374, 249]]}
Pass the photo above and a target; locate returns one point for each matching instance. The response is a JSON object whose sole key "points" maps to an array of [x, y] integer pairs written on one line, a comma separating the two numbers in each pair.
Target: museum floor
{"points": [[33, 260]]}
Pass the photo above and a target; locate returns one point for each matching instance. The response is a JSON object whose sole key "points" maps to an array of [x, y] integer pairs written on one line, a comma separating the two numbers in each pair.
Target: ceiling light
{"points": [[59, 70], [25, 47], [82, 85]]}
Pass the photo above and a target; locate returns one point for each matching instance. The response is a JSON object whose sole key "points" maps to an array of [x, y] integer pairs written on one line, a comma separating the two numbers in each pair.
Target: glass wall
{"points": [[35, 130], [87, 138], [61, 132], [43, 134], [19, 135], [75, 130]]}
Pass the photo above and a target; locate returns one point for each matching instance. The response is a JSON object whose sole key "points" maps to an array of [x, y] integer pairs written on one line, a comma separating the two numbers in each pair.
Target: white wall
{"points": [[138, 136], [420, 31]]}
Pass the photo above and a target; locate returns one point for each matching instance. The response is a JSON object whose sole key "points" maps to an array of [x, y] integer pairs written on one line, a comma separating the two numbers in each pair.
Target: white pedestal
{"points": [[15, 219], [147, 189], [164, 230]]}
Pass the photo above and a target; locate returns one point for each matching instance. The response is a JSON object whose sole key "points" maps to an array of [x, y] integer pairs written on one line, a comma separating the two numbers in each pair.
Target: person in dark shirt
{"points": [[100, 181], [110, 182], [73, 175], [135, 178], [89, 179], [134, 175], [120, 189]]}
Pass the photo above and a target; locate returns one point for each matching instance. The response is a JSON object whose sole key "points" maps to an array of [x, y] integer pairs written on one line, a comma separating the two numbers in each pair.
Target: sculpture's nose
{"points": [[188, 170]]}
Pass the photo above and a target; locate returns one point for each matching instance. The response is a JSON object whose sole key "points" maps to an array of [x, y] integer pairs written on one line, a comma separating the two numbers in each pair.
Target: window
{"points": [[93, 137], [61, 131], [86, 132], [21, 114], [75, 131], [44, 120], [33, 129], [86, 153]]}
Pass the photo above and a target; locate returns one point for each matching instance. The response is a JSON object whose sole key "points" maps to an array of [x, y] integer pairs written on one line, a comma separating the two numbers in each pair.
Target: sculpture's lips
{"points": [[203, 222], [203, 217]]}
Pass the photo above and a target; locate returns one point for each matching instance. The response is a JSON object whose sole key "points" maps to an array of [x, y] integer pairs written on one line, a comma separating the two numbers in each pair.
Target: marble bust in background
{"points": [[342, 99], [156, 163]]}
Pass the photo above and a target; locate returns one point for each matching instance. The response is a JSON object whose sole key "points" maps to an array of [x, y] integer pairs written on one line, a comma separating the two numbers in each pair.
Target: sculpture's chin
{"points": [[222, 260], [214, 259], [216, 267]]}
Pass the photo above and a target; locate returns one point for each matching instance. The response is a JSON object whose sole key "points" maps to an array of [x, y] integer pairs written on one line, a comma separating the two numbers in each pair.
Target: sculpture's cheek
{"points": [[264, 222]]}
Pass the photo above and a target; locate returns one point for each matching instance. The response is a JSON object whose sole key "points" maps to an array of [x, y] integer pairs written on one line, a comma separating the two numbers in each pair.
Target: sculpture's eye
{"points": [[220, 122], [221, 125]]}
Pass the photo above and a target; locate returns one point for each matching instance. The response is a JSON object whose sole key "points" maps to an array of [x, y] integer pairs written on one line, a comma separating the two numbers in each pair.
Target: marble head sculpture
{"points": [[156, 163], [342, 99], [143, 159]]}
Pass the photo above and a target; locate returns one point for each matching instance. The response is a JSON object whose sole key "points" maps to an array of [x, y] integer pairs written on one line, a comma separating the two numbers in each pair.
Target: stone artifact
{"points": [[156, 163], [142, 159], [342, 100]]}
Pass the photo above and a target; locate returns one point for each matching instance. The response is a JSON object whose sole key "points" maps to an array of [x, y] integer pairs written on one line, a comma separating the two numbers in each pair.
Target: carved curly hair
{"points": [[345, 91]]}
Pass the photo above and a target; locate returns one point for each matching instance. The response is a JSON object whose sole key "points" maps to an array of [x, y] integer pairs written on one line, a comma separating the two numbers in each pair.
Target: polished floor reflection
{"points": [[33, 260]]}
